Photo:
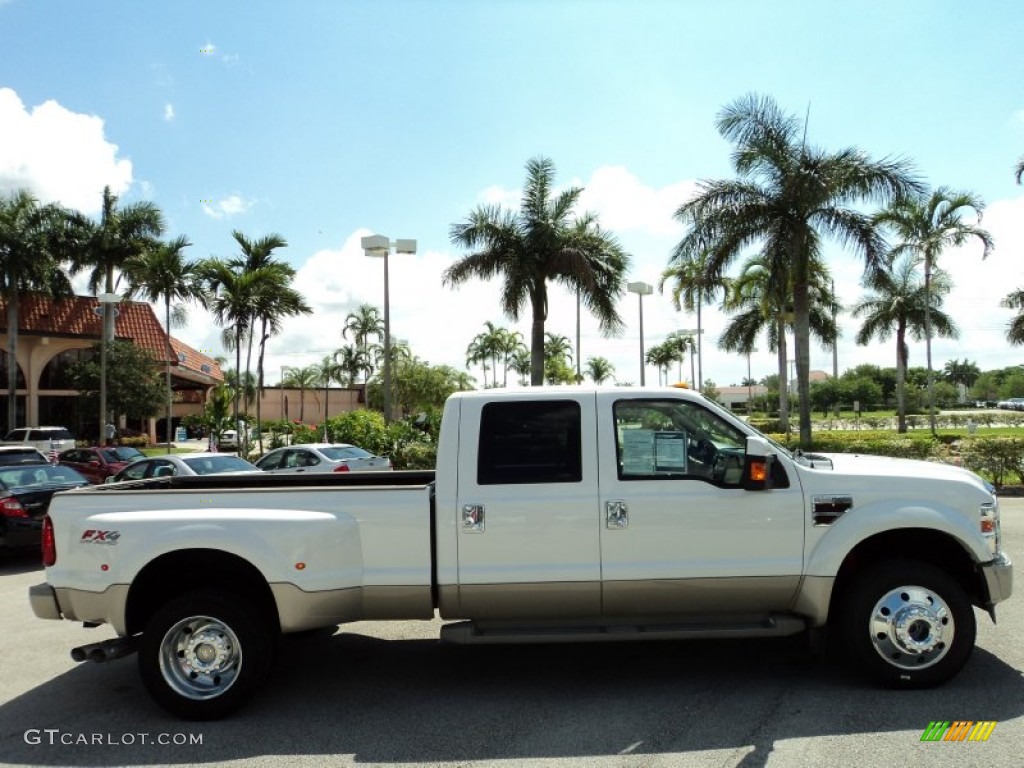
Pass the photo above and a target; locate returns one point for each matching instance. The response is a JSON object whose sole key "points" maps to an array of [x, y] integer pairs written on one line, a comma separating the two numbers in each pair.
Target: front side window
{"points": [[530, 442], [677, 439], [136, 471], [271, 461]]}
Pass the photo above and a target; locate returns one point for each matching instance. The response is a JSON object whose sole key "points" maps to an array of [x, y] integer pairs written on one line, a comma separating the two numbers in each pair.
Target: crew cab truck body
{"points": [[554, 515]]}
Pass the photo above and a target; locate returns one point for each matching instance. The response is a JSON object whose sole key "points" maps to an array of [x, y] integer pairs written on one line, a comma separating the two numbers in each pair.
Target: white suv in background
{"points": [[45, 439]]}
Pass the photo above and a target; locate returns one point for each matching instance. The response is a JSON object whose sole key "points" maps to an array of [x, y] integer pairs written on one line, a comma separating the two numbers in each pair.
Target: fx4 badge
{"points": [[100, 537]]}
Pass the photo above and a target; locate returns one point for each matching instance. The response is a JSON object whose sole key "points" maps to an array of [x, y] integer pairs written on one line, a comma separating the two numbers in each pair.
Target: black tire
{"points": [[203, 654], [907, 624]]}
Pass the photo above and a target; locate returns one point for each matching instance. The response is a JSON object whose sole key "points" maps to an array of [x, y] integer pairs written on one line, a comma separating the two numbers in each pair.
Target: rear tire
{"points": [[908, 624], [203, 654]]}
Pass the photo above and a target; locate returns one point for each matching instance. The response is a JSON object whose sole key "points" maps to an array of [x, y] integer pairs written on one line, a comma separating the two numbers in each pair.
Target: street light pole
{"points": [[641, 290], [380, 246], [106, 301]]}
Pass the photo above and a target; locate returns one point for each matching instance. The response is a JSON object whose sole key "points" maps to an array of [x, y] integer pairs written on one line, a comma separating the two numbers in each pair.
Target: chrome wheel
{"points": [[200, 657], [912, 627]]}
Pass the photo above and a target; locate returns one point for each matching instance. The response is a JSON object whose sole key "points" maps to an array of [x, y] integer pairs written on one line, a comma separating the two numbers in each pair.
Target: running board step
{"points": [[469, 633]]}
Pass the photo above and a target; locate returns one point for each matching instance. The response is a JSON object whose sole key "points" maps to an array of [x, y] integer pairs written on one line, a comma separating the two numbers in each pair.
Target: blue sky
{"points": [[325, 121]]}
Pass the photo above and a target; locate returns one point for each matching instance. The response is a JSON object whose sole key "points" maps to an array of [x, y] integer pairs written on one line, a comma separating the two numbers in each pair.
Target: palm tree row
{"points": [[249, 294]]}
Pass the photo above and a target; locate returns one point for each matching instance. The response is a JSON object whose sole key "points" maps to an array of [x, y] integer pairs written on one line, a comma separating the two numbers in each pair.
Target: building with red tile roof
{"points": [[54, 332]]}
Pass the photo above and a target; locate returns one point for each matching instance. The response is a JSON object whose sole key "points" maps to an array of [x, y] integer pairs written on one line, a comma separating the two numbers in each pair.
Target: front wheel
{"points": [[908, 624], [203, 654]]}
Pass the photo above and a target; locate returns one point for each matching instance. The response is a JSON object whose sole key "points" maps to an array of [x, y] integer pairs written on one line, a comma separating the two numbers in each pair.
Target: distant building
{"points": [[52, 334]]}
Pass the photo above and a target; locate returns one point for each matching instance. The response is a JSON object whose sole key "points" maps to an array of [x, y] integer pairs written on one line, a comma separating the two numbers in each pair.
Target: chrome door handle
{"points": [[616, 515], [472, 518]]}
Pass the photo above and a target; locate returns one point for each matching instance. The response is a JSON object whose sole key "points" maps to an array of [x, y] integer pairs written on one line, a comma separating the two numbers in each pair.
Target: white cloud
{"points": [[168, 112], [60, 155], [232, 205]]}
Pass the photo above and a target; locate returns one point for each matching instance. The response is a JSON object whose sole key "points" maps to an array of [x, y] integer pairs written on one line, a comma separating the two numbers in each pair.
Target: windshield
{"points": [[336, 453], [212, 465], [40, 474], [122, 453]]}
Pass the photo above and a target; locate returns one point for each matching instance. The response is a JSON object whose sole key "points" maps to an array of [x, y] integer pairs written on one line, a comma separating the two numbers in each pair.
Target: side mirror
{"points": [[94, 463], [757, 465]]}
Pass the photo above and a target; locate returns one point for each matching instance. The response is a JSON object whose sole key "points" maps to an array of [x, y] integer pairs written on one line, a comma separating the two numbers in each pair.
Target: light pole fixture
{"points": [[379, 246], [106, 301], [641, 290]]}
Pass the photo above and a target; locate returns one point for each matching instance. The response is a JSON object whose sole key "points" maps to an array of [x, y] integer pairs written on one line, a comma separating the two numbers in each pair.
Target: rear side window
{"points": [[17, 435], [530, 442]]}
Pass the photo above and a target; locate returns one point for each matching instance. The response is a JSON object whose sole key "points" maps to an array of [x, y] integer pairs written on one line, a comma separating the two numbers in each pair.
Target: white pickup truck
{"points": [[554, 515]]}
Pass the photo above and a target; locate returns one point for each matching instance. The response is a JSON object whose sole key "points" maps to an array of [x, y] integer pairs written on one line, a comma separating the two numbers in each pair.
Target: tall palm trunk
{"points": [[12, 352], [538, 299], [259, 380], [167, 332], [901, 378], [700, 356], [928, 337], [783, 375]]}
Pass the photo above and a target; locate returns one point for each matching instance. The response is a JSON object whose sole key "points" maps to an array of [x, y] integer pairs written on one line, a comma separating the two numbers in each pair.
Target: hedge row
{"points": [[999, 459]]}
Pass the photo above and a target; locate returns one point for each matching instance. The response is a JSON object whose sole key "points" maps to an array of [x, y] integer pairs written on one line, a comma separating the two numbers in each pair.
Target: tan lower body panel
{"points": [[554, 600], [620, 599], [299, 610], [814, 598], [681, 597], [106, 607]]}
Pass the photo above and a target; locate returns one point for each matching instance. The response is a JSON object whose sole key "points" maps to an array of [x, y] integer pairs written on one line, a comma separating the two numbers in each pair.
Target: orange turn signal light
{"points": [[758, 471], [988, 526]]}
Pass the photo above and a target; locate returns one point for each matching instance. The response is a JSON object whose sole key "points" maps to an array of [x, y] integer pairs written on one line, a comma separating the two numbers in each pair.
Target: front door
{"points": [[527, 512], [679, 536]]}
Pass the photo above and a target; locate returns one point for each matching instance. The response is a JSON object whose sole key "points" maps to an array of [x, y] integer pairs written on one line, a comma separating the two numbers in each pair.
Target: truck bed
{"points": [[270, 480]]}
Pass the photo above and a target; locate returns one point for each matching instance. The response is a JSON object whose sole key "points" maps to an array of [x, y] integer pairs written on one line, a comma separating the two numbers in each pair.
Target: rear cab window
{"points": [[530, 442]]}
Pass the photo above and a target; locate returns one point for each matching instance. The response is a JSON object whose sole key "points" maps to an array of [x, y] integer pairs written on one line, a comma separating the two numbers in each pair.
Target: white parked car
{"points": [[45, 439], [322, 457], [175, 464]]}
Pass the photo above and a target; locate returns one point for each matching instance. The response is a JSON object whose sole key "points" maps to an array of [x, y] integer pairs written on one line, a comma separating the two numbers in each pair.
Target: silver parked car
{"points": [[322, 457], [173, 465]]}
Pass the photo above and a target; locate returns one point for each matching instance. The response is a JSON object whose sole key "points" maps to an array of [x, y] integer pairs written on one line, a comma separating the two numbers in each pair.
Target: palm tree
{"points": [[32, 246], [536, 244], [1015, 331], [661, 356], [520, 362], [230, 293], [962, 373], [303, 378], [761, 297], [788, 198], [695, 284], [330, 370], [163, 274], [926, 225], [1019, 171], [353, 361], [480, 350], [898, 306], [599, 369], [364, 323], [273, 299]]}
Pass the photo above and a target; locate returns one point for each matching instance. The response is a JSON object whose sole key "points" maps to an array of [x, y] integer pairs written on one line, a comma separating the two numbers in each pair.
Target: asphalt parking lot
{"points": [[389, 694]]}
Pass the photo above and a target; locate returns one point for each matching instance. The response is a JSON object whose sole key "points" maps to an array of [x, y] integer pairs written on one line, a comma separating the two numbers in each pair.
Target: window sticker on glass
{"points": [[637, 451], [670, 451]]}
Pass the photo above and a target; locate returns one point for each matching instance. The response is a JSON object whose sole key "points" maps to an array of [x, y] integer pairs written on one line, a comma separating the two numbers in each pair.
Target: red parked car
{"points": [[96, 464]]}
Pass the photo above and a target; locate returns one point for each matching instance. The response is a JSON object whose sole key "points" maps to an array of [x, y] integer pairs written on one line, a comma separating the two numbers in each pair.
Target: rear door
{"points": [[527, 514]]}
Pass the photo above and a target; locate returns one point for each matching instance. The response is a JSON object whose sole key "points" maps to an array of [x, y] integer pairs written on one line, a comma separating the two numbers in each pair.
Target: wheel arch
{"points": [[181, 571], [936, 548]]}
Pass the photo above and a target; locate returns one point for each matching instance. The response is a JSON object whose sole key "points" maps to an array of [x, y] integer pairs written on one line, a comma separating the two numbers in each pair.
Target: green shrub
{"points": [[995, 457], [137, 441]]}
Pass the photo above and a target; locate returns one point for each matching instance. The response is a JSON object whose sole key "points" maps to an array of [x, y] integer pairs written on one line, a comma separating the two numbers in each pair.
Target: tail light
{"points": [[49, 543], [11, 507], [342, 468]]}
